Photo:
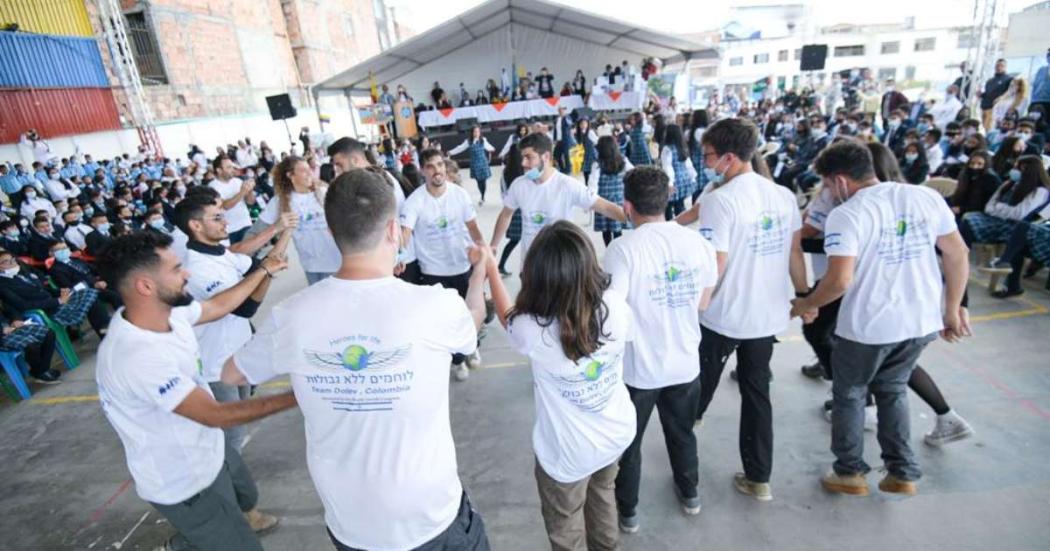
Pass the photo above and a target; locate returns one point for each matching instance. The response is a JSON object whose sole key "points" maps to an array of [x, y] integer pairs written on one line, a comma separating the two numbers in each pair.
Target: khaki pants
{"points": [[581, 515], [987, 120]]}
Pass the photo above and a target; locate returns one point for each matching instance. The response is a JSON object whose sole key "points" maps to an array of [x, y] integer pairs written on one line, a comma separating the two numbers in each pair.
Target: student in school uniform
{"points": [[639, 148], [675, 161], [588, 139], [607, 179], [479, 148], [511, 156]]}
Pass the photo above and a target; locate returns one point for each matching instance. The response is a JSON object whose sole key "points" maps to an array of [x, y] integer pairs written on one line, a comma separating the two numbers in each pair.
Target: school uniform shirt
{"points": [[368, 361], [816, 216], [237, 217], [662, 268], [142, 377], [212, 271], [891, 229], [754, 221], [30, 206], [584, 415], [77, 235], [317, 250], [439, 229], [545, 203]]}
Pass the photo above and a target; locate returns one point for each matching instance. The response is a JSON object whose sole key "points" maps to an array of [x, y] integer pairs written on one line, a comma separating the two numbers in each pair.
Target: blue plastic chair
{"points": [[14, 363], [62, 343]]}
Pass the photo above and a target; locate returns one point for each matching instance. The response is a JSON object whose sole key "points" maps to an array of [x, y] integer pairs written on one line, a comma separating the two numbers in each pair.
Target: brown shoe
{"points": [[850, 484], [894, 485], [260, 522]]}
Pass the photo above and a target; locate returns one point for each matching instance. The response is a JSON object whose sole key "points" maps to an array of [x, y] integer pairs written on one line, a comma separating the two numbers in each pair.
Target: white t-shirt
{"points": [[237, 218], [368, 361], [892, 230], [209, 276], [545, 203], [662, 268], [439, 229], [313, 240], [816, 216], [754, 221], [178, 243], [584, 416], [142, 377]]}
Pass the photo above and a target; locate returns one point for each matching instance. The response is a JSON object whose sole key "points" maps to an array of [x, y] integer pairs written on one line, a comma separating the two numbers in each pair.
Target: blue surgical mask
{"points": [[911, 157], [88, 212], [713, 176], [13, 234], [1015, 175], [104, 227], [535, 172], [63, 255], [157, 223]]}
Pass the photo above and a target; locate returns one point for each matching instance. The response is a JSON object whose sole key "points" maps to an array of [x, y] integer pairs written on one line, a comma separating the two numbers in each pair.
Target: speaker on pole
{"points": [[280, 107], [813, 57]]}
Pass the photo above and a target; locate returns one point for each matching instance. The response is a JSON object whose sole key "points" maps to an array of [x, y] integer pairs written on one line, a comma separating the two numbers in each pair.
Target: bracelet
{"points": [[803, 294], [267, 271]]}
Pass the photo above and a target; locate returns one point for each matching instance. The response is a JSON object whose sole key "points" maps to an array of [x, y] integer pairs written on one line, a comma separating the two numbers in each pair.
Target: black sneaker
{"points": [[1007, 293], [503, 272], [49, 377], [1033, 269], [490, 311], [629, 524], [732, 375], [813, 371]]}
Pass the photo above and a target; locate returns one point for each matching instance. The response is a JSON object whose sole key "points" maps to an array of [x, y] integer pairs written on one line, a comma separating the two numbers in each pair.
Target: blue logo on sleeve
{"points": [[172, 382]]}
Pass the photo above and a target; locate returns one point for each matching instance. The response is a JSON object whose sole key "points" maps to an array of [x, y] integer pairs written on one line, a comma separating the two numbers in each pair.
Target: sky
{"points": [[690, 16]]}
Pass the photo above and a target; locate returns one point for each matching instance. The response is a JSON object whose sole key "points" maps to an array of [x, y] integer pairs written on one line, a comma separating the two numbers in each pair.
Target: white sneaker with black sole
{"points": [[950, 427]]}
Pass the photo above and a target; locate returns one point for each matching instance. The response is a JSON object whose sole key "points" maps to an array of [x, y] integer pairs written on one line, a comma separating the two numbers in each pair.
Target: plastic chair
{"points": [[64, 345], [945, 186], [14, 363]]}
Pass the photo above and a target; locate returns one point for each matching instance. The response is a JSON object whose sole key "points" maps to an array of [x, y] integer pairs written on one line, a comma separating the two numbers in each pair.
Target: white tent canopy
{"points": [[472, 48]]}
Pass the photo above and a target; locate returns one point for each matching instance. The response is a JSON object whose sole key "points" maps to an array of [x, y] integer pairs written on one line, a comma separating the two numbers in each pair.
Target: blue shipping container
{"points": [[50, 61]]}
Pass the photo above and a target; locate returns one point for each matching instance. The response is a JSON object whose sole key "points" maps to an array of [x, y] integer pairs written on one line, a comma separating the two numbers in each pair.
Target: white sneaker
{"points": [[474, 360], [460, 372], [950, 427]]}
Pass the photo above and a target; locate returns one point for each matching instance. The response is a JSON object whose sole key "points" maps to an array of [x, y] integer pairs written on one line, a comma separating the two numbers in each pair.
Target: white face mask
{"points": [[10, 272]]}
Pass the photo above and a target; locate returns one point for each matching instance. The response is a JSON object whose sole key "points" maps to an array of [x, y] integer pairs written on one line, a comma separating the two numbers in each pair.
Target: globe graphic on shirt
{"points": [[765, 223], [593, 370], [355, 357], [441, 223], [538, 218], [902, 228], [672, 273], [358, 358]]}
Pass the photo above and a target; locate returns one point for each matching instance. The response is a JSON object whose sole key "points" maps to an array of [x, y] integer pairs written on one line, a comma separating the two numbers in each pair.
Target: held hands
{"points": [[287, 221], [247, 186], [800, 308], [274, 263], [956, 325], [482, 254]]}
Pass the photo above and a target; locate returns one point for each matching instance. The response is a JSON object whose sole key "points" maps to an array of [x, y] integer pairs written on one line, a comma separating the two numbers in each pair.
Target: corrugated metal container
{"points": [[56, 112], [49, 61], [66, 17]]}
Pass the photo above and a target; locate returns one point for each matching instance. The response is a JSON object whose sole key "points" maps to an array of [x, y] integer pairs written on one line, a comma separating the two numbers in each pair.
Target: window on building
{"points": [[887, 72], [925, 44], [849, 51], [891, 47], [968, 38], [761, 58], [144, 48], [782, 55], [736, 61], [382, 28], [798, 54], [909, 72], [781, 83], [707, 71], [348, 26]]}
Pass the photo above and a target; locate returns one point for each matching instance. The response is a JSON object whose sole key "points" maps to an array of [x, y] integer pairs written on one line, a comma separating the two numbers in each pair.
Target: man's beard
{"points": [[175, 300]]}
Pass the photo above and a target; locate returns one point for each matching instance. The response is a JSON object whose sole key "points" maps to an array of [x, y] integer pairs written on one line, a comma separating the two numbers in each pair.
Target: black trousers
{"points": [[676, 406], [460, 283], [561, 158], [38, 355], [756, 410], [821, 332], [411, 273]]}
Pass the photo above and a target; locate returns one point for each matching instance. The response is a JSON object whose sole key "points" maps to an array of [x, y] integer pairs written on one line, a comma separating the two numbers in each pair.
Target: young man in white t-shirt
{"points": [[441, 222], [233, 192], [882, 243], [667, 273], [545, 195], [754, 226], [365, 352], [213, 269], [153, 392]]}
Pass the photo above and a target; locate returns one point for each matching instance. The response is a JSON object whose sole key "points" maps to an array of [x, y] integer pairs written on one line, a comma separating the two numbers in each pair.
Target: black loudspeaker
{"points": [[813, 57], [280, 107], [583, 113], [464, 125]]}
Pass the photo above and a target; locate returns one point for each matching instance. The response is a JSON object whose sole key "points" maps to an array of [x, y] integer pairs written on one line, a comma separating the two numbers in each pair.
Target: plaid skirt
{"points": [[514, 230], [26, 335], [73, 312], [987, 228], [1039, 242], [610, 188], [479, 162]]}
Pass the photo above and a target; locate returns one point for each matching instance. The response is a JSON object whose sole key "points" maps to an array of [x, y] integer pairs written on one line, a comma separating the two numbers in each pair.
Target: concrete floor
{"points": [[66, 486]]}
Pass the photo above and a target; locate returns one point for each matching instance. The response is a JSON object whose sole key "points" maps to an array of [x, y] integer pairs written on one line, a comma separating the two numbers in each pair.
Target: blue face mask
{"points": [[62, 255], [1015, 175], [157, 223], [104, 228], [535, 172], [713, 176]]}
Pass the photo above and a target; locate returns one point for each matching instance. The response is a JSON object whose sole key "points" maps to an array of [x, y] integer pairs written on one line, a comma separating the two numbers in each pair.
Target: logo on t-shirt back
{"points": [[675, 285], [768, 235], [359, 374], [357, 358], [908, 238]]}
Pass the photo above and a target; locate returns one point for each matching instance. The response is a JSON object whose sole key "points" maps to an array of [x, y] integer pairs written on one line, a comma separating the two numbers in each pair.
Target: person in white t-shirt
{"points": [[233, 192], [441, 221], [667, 273], [545, 195], [754, 225], [152, 390], [213, 269], [364, 351], [574, 329], [882, 243], [298, 193]]}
